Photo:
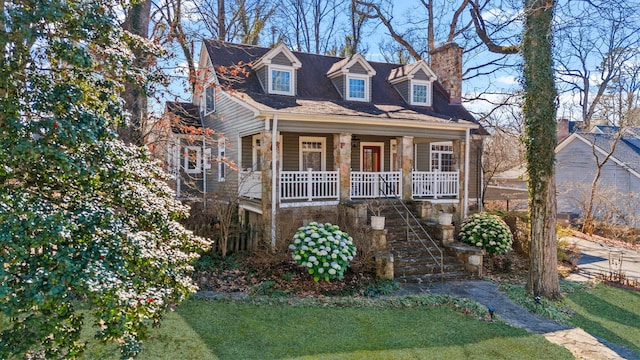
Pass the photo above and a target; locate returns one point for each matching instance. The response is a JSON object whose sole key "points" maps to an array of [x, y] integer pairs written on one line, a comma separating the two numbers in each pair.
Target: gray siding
{"points": [[357, 69], [423, 157], [421, 75], [403, 90], [231, 119], [339, 83], [281, 59], [263, 77], [575, 170], [247, 153], [475, 169]]}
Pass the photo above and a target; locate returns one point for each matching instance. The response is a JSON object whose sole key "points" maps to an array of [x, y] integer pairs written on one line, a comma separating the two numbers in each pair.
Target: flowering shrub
{"points": [[488, 232], [323, 249]]}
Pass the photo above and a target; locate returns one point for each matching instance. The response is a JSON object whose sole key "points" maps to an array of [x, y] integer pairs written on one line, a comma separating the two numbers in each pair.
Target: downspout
{"points": [[204, 172], [274, 169], [465, 197]]}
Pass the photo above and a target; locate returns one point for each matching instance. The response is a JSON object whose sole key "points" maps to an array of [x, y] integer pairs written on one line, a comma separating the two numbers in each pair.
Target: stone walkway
{"points": [[581, 344]]}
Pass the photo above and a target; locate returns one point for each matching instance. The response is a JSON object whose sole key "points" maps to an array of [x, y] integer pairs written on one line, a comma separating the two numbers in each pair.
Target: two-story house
{"points": [[310, 132]]}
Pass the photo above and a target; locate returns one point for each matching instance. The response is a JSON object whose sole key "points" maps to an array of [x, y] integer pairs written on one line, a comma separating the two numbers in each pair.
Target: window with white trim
{"points": [[206, 159], [280, 80], [221, 160], [442, 156], [173, 158], [312, 153], [192, 159], [420, 93], [358, 87], [209, 100]]}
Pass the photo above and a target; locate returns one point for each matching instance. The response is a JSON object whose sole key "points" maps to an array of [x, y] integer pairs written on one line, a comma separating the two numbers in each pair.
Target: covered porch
{"points": [[330, 168]]}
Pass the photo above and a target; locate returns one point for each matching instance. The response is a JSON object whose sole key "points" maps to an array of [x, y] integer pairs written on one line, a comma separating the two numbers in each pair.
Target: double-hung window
{"points": [[421, 93], [210, 100], [357, 88], [192, 159], [280, 80], [312, 153], [442, 156]]}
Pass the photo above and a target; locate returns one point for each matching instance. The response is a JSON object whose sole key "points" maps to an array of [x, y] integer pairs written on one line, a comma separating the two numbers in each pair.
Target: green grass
{"points": [[609, 313], [273, 329]]}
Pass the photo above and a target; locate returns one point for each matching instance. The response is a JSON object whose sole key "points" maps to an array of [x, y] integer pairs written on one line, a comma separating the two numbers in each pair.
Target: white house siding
{"points": [[575, 170], [231, 119]]}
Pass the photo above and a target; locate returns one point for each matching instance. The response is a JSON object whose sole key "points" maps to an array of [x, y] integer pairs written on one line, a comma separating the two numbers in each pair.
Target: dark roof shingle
{"points": [[316, 94]]}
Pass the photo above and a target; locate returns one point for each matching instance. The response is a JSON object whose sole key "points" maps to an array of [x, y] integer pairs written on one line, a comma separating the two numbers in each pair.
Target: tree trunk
{"points": [[222, 26], [540, 128], [134, 96]]}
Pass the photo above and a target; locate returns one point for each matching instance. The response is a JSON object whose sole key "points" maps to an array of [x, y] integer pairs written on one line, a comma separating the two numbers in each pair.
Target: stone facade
{"points": [[446, 62]]}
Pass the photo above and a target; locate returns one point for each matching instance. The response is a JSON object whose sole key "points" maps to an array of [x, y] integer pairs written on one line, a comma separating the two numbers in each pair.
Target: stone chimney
{"points": [[446, 62], [563, 130]]}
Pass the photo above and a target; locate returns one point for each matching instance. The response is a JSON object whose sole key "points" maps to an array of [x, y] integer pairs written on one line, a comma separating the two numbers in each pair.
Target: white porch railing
{"points": [[309, 185], [375, 184], [324, 185], [250, 184], [435, 184]]}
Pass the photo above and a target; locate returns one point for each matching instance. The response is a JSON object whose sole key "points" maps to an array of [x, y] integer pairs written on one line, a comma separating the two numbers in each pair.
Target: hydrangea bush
{"points": [[323, 249], [488, 232]]}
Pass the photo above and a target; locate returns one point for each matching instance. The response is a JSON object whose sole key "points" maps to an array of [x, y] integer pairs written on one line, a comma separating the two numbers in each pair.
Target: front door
{"points": [[371, 155]]}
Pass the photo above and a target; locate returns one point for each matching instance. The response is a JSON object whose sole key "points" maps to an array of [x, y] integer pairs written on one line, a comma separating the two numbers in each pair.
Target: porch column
{"points": [[459, 156], [342, 162], [405, 150], [267, 190]]}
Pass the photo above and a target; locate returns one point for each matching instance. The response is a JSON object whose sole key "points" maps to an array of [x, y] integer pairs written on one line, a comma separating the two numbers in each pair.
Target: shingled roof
{"points": [[316, 94], [627, 149], [187, 117]]}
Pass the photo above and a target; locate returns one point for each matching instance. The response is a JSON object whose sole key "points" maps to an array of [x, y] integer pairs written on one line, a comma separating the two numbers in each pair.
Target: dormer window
{"points": [[276, 71], [420, 93], [280, 80], [414, 82], [358, 88], [352, 78]]}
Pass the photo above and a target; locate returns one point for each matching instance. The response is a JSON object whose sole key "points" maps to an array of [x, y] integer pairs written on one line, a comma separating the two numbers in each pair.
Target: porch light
{"points": [[355, 141]]}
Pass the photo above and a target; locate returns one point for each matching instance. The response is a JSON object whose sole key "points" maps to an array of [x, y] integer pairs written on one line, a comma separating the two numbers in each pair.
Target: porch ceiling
{"points": [[386, 129]]}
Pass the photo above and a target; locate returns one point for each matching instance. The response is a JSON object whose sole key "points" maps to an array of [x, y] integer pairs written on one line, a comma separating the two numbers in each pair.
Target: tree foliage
{"points": [[84, 218]]}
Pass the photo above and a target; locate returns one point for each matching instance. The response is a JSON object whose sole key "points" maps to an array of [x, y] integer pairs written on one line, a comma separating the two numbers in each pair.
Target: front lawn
{"points": [[206, 329], [607, 312]]}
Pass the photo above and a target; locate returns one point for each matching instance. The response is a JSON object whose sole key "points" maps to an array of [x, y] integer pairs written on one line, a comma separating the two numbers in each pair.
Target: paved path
{"points": [[598, 258], [581, 344]]}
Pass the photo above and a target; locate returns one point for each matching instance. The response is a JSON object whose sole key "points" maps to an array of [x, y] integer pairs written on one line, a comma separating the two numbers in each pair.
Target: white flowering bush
{"points": [[323, 249], [488, 232]]}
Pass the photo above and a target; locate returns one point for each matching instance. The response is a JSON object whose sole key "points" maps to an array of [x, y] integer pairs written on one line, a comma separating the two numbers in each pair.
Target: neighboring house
{"points": [[618, 189], [320, 132]]}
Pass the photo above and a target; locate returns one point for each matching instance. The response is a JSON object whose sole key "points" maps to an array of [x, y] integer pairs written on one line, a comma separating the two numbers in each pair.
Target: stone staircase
{"points": [[414, 255]]}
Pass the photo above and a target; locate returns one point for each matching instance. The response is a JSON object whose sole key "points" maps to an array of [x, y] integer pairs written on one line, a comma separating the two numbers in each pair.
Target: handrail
{"points": [[412, 229]]}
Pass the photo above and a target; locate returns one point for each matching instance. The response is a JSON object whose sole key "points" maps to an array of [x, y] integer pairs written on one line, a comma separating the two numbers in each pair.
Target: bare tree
{"points": [[310, 25], [596, 45]]}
